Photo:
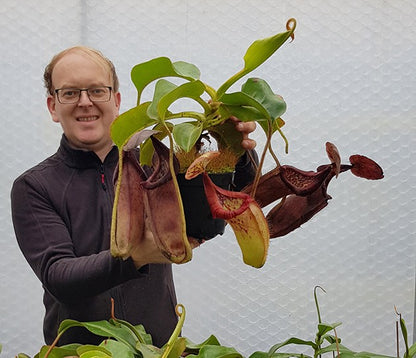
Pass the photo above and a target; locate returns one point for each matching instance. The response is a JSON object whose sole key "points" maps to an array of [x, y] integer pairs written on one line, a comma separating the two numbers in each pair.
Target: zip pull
{"points": [[102, 177]]}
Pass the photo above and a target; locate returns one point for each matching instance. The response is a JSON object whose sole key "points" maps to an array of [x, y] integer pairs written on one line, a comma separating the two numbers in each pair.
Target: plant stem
{"points": [[316, 302], [198, 116], [274, 155], [263, 155], [227, 84], [125, 323], [177, 330], [54, 343], [318, 338]]}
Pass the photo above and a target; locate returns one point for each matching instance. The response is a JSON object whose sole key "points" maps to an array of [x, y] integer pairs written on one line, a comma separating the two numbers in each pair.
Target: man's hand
{"points": [[245, 128], [149, 253]]}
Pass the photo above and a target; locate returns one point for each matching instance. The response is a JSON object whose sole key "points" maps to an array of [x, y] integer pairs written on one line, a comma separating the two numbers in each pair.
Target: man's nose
{"points": [[84, 99]]}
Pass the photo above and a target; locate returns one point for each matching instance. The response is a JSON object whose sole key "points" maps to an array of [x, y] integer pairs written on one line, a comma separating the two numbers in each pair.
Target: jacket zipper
{"points": [[102, 177]]}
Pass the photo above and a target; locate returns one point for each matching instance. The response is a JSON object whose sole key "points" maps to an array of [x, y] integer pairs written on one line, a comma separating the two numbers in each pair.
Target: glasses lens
{"points": [[99, 94], [95, 94], [68, 95]]}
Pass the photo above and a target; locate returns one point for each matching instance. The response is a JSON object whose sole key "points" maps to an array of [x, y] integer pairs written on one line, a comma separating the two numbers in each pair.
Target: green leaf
{"points": [[278, 355], [118, 349], [57, 352], [351, 354], [324, 328], [243, 99], [103, 329], [243, 113], [333, 348], [147, 337], [330, 338], [293, 340], [186, 134], [261, 91], [149, 351], [258, 52], [90, 351], [191, 90], [404, 334], [178, 348], [146, 148], [130, 122], [147, 72], [192, 347], [162, 87], [412, 351], [215, 351]]}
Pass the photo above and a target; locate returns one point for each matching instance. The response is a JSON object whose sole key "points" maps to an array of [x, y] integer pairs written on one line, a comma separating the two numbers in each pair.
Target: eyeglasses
{"points": [[72, 95]]}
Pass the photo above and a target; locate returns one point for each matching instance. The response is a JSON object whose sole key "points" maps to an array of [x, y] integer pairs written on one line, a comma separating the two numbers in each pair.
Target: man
{"points": [[62, 208]]}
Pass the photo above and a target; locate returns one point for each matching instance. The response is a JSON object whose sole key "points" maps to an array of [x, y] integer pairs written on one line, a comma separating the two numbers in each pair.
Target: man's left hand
{"points": [[245, 128]]}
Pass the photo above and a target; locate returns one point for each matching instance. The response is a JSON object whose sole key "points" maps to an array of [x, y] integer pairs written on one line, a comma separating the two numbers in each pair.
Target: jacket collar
{"points": [[82, 159]]}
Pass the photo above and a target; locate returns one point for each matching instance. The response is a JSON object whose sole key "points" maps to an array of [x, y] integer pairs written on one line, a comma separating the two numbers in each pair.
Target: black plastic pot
{"points": [[199, 222]]}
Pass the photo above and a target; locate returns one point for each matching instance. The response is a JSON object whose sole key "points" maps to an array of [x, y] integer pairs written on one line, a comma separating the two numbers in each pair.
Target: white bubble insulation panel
{"points": [[349, 77]]}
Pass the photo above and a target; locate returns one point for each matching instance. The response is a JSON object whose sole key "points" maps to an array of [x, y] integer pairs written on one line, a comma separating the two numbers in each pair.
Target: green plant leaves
{"points": [[214, 351], [118, 349], [324, 328], [130, 122], [104, 329], [58, 352], [244, 100], [194, 348], [258, 52], [260, 90], [186, 134], [90, 351], [256, 101], [292, 340], [147, 72], [167, 93]]}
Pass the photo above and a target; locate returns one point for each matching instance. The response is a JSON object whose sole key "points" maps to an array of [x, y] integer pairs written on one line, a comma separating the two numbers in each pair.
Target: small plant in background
{"points": [[123, 340], [333, 343]]}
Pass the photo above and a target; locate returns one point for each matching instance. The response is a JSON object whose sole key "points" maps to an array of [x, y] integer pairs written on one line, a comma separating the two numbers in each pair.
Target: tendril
{"points": [[291, 26]]}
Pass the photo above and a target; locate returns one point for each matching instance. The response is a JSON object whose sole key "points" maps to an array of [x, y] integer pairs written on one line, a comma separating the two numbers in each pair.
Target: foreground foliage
{"points": [[123, 340]]}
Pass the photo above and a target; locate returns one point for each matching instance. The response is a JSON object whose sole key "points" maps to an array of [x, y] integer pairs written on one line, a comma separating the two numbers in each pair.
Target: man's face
{"points": [[86, 124]]}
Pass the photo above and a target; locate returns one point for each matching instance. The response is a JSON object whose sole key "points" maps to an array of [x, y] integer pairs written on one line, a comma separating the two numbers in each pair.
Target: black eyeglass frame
{"points": [[82, 90]]}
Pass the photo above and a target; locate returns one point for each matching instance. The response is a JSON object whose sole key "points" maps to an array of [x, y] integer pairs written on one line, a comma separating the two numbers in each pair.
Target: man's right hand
{"points": [[149, 253]]}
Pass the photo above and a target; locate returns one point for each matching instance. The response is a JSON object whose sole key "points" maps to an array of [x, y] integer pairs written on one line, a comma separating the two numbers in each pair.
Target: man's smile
{"points": [[87, 119]]}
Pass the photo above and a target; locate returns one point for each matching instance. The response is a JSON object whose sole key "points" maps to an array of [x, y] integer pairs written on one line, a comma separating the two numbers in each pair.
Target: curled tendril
{"points": [[180, 311], [291, 26]]}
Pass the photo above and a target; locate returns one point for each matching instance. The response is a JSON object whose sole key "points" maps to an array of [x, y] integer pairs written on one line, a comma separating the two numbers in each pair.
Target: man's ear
{"points": [[117, 96], [51, 103]]}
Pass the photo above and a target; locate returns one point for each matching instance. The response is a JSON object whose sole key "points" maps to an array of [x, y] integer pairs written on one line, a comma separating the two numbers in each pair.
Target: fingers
{"points": [[245, 128], [194, 242], [248, 144]]}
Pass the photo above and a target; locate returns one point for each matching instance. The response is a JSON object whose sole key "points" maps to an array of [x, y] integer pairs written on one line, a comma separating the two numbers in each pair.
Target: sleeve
{"points": [[245, 170], [46, 244]]}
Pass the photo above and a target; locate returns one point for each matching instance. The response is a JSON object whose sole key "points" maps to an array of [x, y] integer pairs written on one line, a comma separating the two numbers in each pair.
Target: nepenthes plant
{"points": [[146, 180]]}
